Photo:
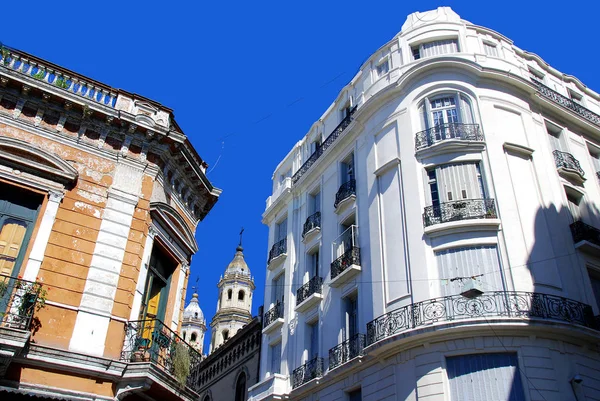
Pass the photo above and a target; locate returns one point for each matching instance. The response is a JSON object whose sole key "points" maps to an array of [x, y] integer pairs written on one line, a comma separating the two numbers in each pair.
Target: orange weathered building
{"points": [[100, 196]]}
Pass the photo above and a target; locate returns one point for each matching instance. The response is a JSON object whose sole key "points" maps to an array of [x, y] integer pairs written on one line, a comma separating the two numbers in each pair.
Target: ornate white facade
{"points": [[235, 301], [435, 234]]}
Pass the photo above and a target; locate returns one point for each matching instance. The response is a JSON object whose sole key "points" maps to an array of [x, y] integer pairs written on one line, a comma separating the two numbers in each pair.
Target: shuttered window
{"points": [[275, 358], [469, 262], [452, 182], [493, 377], [490, 49], [439, 47]]}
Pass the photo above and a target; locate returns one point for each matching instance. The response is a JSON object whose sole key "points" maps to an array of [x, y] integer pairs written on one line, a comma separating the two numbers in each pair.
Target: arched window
{"points": [[229, 294], [193, 337], [240, 388], [445, 116], [183, 335], [225, 335], [241, 295]]}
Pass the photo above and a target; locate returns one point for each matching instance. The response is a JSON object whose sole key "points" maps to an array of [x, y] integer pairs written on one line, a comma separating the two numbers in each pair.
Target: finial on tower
{"points": [[239, 248]]}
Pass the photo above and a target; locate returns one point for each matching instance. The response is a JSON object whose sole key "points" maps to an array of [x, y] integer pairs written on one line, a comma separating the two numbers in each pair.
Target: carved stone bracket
{"points": [[56, 196], [125, 145]]}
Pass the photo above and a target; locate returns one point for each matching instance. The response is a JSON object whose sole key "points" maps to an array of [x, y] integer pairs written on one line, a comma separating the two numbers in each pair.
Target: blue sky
{"points": [[247, 79]]}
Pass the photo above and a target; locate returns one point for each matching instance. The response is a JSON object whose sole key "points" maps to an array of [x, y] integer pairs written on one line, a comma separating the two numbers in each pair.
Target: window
{"points": [[241, 295], [281, 230], [347, 169], [443, 115], [277, 289], [457, 264], [229, 294], [573, 203], [193, 337], [535, 75], [313, 264], [315, 145], [275, 360], [355, 395], [383, 68], [240, 388], [225, 334], [158, 282], [481, 375], [313, 340], [595, 280], [456, 181], [351, 316], [346, 110], [595, 154], [435, 48], [314, 203], [576, 97], [18, 212], [284, 175], [556, 136], [490, 49], [183, 335]]}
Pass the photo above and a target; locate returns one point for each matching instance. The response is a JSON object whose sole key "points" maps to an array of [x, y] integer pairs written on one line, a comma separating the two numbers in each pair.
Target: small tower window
{"points": [[184, 335], [241, 295], [196, 315], [229, 294], [225, 335], [193, 337]]}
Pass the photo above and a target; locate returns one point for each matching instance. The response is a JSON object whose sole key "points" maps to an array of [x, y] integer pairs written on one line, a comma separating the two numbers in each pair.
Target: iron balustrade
{"points": [[314, 286], [150, 340], [464, 209], [276, 312], [321, 148], [312, 369], [495, 304], [347, 350], [313, 221], [585, 232], [346, 190], [567, 103], [278, 248], [443, 132], [348, 258], [568, 161], [19, 299]]}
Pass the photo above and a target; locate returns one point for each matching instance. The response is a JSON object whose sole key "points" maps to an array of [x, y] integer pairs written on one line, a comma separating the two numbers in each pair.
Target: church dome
{"points": [[193, 311], [238, 264]]}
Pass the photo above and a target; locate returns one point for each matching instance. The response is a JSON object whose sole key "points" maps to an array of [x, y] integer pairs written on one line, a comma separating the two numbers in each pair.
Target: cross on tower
{"points": [[241, 233]]}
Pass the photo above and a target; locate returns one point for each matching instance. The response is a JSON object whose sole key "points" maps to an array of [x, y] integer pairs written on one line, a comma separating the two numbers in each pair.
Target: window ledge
{"points": [[309, 303], [311, 234], [274, 325], [348, 274], [276, 261], [345, 204], [461, 226], [573, 176]]}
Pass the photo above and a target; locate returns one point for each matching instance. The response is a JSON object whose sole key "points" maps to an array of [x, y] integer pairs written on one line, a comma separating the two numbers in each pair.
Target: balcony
{"points": [[345, 195], [585, 237], [273, 318], [284, 188], [451, 134], [500, 304], [277, 254], [568, 166], [312, 369], [326, 144], [346, 351], [312, 226], [309, 295], [567, 103], [466, 209], [346, 264], [151, 342], [19, 299]]}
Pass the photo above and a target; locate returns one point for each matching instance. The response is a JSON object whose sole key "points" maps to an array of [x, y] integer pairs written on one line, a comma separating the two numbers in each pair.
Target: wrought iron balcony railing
{"points": [[346, 190], [278, 248], [276, 312], [18, 301], [349, 258], [313, 221], [568, 161], [314, 286], [443, 132], [346, 351], [310, 370], [585, 232], [464, 209], [321, 148], [520, 305], [152, 341], [567, 103]]}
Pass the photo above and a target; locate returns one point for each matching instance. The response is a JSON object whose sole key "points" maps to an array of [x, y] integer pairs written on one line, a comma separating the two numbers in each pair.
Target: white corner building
{"points": [[435, 235]]}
